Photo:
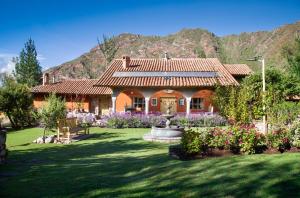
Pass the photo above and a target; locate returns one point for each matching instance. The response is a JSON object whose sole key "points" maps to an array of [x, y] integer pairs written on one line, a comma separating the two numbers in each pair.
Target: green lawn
{"points": [[118, 163]]}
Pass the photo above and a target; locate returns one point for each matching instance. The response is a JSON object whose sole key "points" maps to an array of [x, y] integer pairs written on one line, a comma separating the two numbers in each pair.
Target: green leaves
{"points": [[16, 103], [109, 48], [53, 110], [27, 69]]}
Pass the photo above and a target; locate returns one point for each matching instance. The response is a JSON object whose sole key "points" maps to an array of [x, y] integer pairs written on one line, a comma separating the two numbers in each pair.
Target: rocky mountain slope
{"points": [[190, 43]]}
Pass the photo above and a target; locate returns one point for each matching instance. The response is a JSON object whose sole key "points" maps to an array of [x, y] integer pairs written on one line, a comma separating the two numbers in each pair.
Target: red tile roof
{"points": [[238, 69], [163, 65], [82, 86]]}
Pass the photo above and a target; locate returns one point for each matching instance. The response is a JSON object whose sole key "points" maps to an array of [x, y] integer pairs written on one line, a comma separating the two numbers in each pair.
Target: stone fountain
{"points": [[165, 134]]}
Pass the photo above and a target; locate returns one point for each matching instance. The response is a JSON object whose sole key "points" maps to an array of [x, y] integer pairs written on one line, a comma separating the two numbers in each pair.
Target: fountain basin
{"points": [[172, 131], [164, 135]]}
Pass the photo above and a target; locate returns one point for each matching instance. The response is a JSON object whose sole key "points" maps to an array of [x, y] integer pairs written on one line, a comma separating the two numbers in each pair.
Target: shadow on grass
{"points": [[134, 168]]}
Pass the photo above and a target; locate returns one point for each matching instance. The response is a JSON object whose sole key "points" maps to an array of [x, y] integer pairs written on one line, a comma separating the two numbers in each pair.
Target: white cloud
{"points": [[41, 57], [6, 64]]}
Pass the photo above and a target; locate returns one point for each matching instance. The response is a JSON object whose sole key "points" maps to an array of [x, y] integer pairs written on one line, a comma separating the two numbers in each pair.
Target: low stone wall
{"points": [[3, 150]]}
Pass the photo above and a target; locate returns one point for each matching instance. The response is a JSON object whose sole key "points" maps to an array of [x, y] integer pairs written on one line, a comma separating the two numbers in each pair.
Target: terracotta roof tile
{"points": [[238, 69], [82, 86], [163, 65]]}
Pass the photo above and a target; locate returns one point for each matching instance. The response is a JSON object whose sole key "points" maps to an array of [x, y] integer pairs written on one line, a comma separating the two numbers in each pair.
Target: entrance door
{"points": [[104, 106], [168, 102], [93, 105]]}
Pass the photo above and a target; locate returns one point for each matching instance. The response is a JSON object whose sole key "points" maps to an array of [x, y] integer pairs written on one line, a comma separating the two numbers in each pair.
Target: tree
{"points": [[16, 103], [28, 70], [244, 103], [292, 55], [199, 52], [53, 110], [87, 68], [109, 48]]}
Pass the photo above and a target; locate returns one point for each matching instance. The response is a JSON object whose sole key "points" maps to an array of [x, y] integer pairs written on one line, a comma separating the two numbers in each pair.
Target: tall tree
{"points": [[292, 54], [16, 103], [28, 70], [109, 48]]}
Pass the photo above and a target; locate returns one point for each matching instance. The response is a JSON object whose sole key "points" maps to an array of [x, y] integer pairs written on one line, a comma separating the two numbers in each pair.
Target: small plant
{"points": [[126, 120], [280, 139], [194, 142], [51, 112], [295, 133], [219, 139], [252, 141]]}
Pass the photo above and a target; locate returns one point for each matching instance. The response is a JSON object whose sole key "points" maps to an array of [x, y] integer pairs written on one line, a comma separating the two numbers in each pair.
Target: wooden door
{"points": [[104, 106], [168, 102]]}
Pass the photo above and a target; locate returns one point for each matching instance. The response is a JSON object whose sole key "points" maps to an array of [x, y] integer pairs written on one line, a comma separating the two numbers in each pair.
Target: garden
{"points": [[118, 163]]}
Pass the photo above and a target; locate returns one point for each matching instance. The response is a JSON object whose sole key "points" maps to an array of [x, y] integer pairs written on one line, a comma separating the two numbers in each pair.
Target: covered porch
{"points": [[153, 101]]}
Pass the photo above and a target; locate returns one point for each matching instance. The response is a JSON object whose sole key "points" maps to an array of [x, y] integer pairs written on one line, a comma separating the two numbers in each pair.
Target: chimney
{"points": [[53, 79], [45, 79], [126, 61]]}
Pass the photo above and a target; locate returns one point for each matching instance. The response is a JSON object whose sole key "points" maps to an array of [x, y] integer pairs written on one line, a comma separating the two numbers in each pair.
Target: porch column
{"points": [[113, 100], [188, 103], [147, 99]]}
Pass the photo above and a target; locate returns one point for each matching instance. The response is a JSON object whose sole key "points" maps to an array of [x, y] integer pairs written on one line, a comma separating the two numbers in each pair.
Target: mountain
{"points": [[190, 43]]}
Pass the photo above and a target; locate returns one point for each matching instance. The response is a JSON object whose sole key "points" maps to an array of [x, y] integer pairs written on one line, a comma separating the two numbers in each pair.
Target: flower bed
{"points": [[233, 140], [127, 120]]}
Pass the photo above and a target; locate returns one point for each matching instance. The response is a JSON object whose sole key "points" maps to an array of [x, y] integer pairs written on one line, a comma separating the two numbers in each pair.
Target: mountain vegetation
{"points": [[188, 43]]}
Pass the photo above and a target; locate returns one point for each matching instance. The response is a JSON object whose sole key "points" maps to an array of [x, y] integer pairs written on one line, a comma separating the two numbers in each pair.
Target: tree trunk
{"points": [[13, 125], [44, 136]]}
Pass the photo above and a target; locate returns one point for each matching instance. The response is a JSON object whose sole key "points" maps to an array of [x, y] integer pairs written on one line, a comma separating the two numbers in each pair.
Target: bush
{"points": [[199, 120], [16, 103], [236, 138], [53, 110], [252, 141], [295, 133], [219, 138], [280, 139], [194, 141], [127, 120]]}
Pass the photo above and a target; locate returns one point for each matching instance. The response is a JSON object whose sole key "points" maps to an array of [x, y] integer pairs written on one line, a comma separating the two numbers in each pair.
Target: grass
{"points": [[118, 163]]}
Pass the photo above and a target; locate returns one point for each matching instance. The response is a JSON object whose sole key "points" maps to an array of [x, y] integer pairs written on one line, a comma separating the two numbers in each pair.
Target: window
{"points": [[181, 102], [197, 103], [154, 102], [138, 102]]}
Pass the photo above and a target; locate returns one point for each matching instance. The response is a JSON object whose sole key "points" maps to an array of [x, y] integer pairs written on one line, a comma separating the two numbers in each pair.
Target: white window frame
{"points": [[181, 101], [154, 104], [138, 104], [197, 103]]}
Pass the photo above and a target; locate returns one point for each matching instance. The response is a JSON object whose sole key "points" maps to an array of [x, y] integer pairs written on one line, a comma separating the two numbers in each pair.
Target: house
{"points": [[182, 85], [78, 94]]}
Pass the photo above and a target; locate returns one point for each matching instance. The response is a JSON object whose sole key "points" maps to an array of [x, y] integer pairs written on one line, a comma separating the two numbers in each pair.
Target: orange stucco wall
{"points": [[126, 98], [71, 101]]}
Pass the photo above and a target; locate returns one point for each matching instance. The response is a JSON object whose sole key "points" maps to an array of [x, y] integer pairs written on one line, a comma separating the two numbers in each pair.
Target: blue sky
{"points": [[65, 29]]}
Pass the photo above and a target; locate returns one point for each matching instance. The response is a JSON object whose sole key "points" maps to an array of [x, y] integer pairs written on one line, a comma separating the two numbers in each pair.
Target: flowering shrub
{"points": [[295, 133], [195, 141], [236, 138], [280, 139], [199, 120], [252, 141], [220, 138], [126, 120]]}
